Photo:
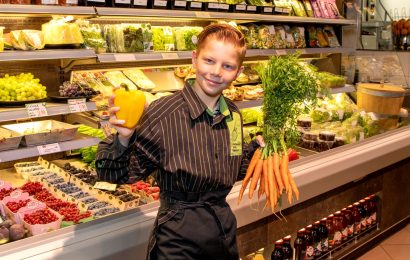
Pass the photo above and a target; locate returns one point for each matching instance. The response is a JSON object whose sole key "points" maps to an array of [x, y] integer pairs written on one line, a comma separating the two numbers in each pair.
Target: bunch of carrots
{"points": [[289, 86]]}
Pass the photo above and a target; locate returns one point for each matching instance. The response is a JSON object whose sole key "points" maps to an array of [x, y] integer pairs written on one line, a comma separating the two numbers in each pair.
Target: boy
{"points": [[194, 139]]}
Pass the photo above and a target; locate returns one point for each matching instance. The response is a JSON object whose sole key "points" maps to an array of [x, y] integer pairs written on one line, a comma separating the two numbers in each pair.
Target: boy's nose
{"points": [[216, 70]]}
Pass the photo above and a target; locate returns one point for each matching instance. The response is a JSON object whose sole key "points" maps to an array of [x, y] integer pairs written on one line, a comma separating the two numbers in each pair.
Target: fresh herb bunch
{"points": [[288, 86]]}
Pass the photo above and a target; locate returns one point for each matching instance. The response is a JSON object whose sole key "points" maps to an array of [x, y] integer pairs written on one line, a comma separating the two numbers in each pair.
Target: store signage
{"points": [[223, 6], [124, 57], [36, 110], [251, 8], [267, 9], [196, 5], [48, 148], [160, 3], [169, 56], [140, 2], [123, 1], [77, 105], [240, 7], [102, 185], [180, 3], [202, 14]]}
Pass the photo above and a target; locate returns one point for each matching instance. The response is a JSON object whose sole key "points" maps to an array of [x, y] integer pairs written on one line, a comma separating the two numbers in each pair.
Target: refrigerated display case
{"points": [[125, 234]]}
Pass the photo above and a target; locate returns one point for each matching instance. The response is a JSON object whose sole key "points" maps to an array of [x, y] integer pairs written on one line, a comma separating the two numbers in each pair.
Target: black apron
{"points": [[192, 225]]}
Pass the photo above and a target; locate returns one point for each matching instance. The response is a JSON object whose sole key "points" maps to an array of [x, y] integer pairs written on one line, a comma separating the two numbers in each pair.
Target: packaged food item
{"points": [[316, 9], [321, 38], [186, 37], [298, 34], [323, 8], [290, 41], [298, 8], [163, 38], [313, 42], [330, 36], [128, 37], [61, 31], [139, 78], [27, 39], [308, 8], [92, 35], [251, 35], [117, 78], [266, 36], [280, 37]]}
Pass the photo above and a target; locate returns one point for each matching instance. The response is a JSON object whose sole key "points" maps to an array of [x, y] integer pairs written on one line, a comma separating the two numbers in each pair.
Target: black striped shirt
{"points": [[191, 149]]}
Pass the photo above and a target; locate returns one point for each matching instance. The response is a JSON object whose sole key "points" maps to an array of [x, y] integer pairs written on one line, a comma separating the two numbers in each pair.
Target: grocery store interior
{"points": [[347, 136]]}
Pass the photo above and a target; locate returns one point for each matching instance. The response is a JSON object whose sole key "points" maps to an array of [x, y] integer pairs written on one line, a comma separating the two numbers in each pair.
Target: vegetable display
{"points": [[288, 85]]}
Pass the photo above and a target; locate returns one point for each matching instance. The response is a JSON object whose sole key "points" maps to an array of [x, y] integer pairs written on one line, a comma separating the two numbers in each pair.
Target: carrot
{"points": [[268, 169], [293, 185], [255, 178], [263, 178], [276, 170], [255, 158], [271, 183], [284, 164]]}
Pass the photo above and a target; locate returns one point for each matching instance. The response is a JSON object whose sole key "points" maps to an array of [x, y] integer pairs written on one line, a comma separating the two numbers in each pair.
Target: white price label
{"points": [[123, 1], [124, 57], [95, 1], [48, 148], [102, 185], [72, 2], [169, 56], [213, 6], [281, 52], [271, 29], [48, 2], [251, 8], [36, 110], [223, 6], [197, 5], [160, 3], [140, 2], [286, 10], [180, 3], [278, 9], [77, 105], [202, 14], [240, 7], [267, 9]]}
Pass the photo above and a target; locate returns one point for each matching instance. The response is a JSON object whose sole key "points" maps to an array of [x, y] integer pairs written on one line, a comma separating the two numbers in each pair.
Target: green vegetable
{"points": [[88, 153], [163, 38], [251, 115], [186, 37]]}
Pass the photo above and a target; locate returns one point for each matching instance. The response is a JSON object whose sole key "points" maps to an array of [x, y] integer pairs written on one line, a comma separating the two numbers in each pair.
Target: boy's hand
{"points": [[260, 141], [123, 132]]}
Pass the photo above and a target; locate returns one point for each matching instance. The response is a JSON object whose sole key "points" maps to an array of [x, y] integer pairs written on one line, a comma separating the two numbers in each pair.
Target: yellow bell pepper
{"points": [[131, 104]]}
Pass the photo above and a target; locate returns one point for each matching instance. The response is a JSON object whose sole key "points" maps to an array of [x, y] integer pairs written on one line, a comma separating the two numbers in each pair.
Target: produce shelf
{"points": [[80, 141], [346, 89], [270, 52], [248, 103], [241, 17], [46, 55], [28, 10], [7, 114]]}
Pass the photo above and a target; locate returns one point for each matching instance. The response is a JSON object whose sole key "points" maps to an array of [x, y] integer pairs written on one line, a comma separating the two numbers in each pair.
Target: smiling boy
{"points": [[194, 140]]}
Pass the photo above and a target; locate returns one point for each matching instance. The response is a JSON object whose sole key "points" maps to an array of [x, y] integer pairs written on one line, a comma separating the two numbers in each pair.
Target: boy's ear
{"points": [[194, 59], [240, 71]]}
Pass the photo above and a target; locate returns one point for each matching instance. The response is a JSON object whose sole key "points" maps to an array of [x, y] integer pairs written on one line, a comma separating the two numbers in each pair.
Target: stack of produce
{"points": [[186, 37], [330, 80], [163, 38], [128, 37], [92, 34], [22, 87], [287, 85]]}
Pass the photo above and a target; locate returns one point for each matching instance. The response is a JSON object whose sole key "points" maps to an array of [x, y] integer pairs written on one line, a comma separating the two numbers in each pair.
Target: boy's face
{"points": [[217, 64]]}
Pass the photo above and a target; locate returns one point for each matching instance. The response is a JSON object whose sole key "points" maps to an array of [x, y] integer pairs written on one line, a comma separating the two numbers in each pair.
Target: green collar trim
{"points": [[223, 107]]}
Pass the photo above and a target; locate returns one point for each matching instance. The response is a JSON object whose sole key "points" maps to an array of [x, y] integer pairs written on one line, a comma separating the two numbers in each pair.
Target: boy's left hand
{"points": [[260, 141]]}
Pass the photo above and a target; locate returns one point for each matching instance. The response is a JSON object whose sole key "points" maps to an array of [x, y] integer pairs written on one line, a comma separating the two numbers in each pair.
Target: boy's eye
{"points": [[228, 67], [208, 60]]}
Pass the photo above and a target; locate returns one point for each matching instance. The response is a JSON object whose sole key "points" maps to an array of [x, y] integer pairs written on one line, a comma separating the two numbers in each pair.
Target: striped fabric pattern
{"points": [[187, 146]]}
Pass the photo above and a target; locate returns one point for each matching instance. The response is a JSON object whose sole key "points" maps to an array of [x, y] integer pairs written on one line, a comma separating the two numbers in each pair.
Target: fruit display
{"points": [[27, 39], [145, 189], [22, 87], [11, 232], [43, 216], [74, 214], [75, 89], [330, 80], [85, 175]]}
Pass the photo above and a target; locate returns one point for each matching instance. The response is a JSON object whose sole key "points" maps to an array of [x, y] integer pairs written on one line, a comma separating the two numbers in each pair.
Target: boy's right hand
{"points": [[123, 132]]}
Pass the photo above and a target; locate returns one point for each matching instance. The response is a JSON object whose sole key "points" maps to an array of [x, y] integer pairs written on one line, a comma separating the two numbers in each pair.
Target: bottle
{"points": [[287, 248], [367, 207], [337, 227], [330, 231], [344, 225], [357, 219], [350, 221], [363, 215], [316, 239], [324, 239], [310, 251], [373, 208], [277, 253], [300, 245]]}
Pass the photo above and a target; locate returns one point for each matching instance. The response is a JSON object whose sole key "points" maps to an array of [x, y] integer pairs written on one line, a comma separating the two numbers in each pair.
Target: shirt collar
{"points": [[197, 107]]}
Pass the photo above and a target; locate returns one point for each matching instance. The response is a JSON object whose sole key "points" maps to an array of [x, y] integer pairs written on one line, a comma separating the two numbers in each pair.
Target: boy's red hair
{"points": [[226, 33]]}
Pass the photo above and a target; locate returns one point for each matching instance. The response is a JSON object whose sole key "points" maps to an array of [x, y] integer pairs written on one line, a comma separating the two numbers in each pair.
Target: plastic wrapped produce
{"points": [[163, 38], [266, 35], [251, 35], [298, 34], [128, 37], [290, 41], [27, 39], [186, 37], [117, 78], [139, 78], [92, 35], [280, 37], [60, 31], [330, 36], [298, 8]]}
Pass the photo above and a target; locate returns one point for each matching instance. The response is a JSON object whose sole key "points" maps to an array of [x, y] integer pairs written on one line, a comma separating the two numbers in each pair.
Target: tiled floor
{"points": [[396, 247]]}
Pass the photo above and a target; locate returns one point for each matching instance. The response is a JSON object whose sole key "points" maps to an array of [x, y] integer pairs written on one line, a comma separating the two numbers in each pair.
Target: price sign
{"points": [[160, 3], [169, 56], [48, 148], [124, 57], [140, 2], [77, 105], [196, 5], [213, 5], [281, 52], [241, 7], [123, 1], [102, 185], [251, 8], [180, 3], [36, 110], [278, 9], [223, 6], [267, 9]]}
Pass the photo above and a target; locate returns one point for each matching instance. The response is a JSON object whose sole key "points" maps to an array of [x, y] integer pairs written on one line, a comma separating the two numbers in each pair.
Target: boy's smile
{"points": [[217, 64]]}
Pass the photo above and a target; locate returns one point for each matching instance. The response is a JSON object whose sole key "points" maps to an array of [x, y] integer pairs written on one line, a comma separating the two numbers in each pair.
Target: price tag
{"points": [[281, 52], [36, 110], [77, 105], [48, 2], [223, 6], [251, 8], [124, 57], [278, 9], [102, 185], [123, 1], [160, 3], [197, 5], [73, 2], [240, 7], [286, 10], [180, 3], [48, 148], [140, 2], [213, 6], [267, 9], [272, 29], [169, 56]]}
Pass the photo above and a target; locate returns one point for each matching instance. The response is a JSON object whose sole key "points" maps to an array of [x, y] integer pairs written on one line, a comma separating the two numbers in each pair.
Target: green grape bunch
{"points": [[22, 87]]}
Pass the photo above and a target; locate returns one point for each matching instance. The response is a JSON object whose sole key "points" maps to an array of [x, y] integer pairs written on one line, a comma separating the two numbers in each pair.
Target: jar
{"points": [[316, 239], [324, 239], [357, 219], [350, 221], [287, 248], [344, 225], [310, 251], [363, 214], [300, 245], [338, 228], [277, 253], [331, 231]]}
